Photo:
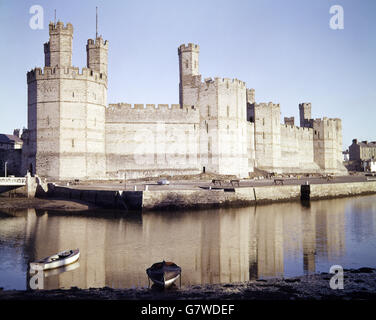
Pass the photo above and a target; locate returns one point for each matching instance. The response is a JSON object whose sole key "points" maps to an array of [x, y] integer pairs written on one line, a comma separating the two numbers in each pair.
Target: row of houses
{"points": [[11, 153], [361, 155]]}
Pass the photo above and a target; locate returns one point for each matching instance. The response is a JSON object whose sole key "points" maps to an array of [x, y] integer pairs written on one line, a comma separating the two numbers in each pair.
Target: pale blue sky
{"points": [[282, 48]]}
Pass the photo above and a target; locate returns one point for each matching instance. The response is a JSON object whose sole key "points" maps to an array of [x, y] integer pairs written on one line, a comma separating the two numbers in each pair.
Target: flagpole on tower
{"points": [[96, 22]]}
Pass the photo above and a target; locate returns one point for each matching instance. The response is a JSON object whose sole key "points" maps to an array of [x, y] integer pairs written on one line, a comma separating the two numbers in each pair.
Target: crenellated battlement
{"points": [[250, 93], [97, 43], [230, 81], [66, 73], [60, 28], [115, 107], [225, 81], [267, 105], [151, 113], [328, 122], [288, 131], [188, 48]]}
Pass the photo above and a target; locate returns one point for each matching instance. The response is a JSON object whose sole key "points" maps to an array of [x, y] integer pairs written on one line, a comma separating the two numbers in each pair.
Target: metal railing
{"points": [[12, 181]]}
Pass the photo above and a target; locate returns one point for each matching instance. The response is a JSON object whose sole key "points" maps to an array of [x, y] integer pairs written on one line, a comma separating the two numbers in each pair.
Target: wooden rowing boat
{"points": [[57, 260], [164, 274]]}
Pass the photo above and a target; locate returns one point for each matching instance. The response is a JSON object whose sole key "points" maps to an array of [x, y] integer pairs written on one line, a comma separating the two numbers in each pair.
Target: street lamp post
{"points": [[5, 167]]}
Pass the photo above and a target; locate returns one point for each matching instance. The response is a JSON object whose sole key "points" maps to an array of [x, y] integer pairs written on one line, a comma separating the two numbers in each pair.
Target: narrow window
{"points": [[207, 128], [73, 94], [208, 111], [228, 111], [72, 143]]}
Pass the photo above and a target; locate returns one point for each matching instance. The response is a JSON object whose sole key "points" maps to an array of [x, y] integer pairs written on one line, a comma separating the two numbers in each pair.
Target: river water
{"points": [[211, 246]]}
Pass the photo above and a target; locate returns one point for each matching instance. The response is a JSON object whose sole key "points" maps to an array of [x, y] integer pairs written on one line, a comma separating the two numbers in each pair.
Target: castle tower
{"points": [[305, 114], [223, 112], [58, 51], [97, 55], [190, 78], [66, 111], [250, 104], [327, 143], [250, 96], [267, 117]]}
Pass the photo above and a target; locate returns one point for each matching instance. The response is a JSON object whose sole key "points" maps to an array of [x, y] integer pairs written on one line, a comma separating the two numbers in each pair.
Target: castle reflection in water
{"points": [[213, 246]]}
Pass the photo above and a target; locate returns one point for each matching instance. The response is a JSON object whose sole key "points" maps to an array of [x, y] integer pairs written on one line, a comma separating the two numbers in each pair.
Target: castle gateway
{"points": [[217, 126]]}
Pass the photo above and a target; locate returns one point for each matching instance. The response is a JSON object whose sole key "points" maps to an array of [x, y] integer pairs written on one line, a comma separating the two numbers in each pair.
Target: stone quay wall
{"points": [[206, 198]]}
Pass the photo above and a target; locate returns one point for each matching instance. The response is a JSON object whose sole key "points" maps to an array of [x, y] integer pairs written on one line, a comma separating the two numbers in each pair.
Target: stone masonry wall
{"points": [[232, 127], [72, 134], [149, 140], [267, 136], [328, 145], [66, 122], [223, 127], [297, 153]]}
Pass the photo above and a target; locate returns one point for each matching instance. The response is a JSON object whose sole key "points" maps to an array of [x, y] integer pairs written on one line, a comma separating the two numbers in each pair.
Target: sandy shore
{"points": [[359, 284]]}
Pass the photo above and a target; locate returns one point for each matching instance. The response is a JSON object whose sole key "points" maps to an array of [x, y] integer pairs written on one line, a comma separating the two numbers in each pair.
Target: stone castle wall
{"points": [[232, 125], [223, 127], [217, 127], [297, 149], [267, 136], [151, 140]]}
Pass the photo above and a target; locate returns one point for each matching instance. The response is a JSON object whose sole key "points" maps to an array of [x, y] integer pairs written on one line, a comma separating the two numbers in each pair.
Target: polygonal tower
{"points": [[66, 110], [58, 50], [305, 114], [190, 78], [97, 55]]}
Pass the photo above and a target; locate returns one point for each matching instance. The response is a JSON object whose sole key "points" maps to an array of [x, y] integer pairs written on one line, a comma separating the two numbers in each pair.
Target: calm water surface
{"points": [[213, 246]]}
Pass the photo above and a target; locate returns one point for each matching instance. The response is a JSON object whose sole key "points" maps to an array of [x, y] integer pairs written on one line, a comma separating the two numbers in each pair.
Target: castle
{"points": [[217, 127]]}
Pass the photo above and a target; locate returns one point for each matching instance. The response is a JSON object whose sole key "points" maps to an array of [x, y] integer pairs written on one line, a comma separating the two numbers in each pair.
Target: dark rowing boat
{"points": [[164, 274]]}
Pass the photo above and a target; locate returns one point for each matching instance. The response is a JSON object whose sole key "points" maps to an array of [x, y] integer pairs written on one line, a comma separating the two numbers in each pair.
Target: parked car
{"points": [[163, 182]]}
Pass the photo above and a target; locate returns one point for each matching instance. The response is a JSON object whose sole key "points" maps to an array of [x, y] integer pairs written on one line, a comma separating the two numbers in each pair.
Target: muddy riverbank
{"points": [[359, 284], [44, 204]]}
